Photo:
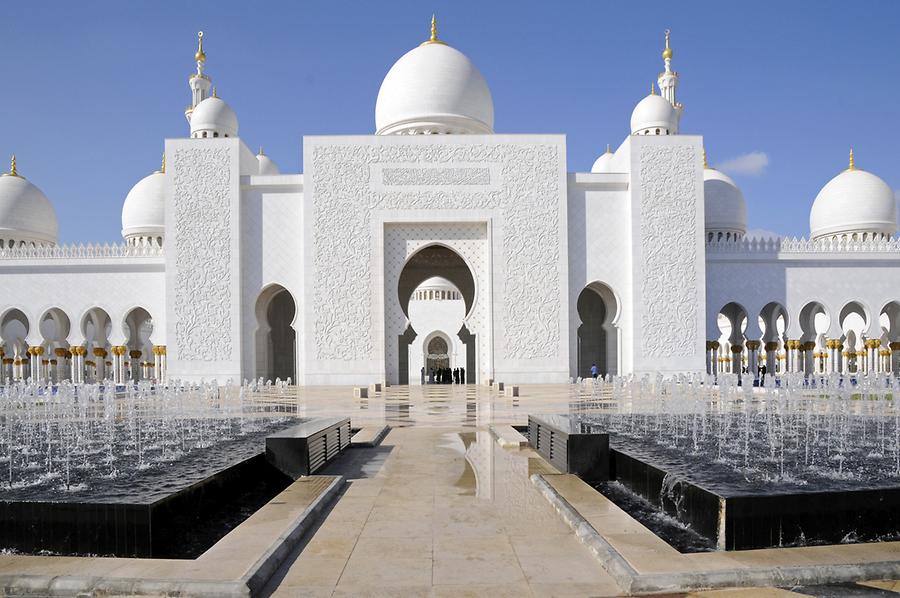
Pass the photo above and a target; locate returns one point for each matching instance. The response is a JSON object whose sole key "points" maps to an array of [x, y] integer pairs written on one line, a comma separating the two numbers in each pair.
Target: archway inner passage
{"points": [[441, 286], [276, 339], [597, 338]]}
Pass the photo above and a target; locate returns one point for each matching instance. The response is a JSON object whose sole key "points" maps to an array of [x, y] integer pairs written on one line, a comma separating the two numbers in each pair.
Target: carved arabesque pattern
{"points": [[527, 198], [669, 286], [202, 219]]}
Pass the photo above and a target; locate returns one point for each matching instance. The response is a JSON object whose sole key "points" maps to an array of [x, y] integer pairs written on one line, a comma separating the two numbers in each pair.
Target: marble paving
{"points": [[441, 509]]}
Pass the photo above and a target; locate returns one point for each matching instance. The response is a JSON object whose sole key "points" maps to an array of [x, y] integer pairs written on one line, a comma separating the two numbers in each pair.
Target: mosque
{"points": [[436, 242]]}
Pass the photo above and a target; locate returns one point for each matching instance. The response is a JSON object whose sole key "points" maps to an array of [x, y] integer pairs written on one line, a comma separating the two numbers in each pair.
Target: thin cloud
{"points": [[750, 164]]}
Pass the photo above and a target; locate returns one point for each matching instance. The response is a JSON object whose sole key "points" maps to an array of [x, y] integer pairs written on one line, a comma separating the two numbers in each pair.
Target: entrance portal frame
{"points": [[354, 185], [401, 239]]}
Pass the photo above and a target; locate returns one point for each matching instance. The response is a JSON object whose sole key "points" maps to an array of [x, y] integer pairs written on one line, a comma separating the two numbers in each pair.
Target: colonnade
{"points": [[799, 356], [124, 365]]}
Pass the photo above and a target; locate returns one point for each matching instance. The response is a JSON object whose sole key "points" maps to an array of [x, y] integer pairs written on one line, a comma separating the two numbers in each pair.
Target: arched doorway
{"points": [[276, 339], [14, 327], [138, 327], [428, 263], [437, 353], [597, 336], [733, 321]]}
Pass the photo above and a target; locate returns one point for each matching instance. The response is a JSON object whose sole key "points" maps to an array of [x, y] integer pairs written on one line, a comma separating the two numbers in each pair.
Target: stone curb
{"points": [[623, 573], [375, 441], [633, 582], [269, 562], [248, 584]]}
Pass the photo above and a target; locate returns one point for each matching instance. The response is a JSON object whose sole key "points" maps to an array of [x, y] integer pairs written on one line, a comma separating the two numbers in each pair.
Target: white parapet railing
{"points": [[82, 251], [774, 245]]}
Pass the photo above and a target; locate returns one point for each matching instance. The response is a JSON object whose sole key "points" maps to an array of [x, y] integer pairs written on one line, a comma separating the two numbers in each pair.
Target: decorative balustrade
{"points": [[782, 245], [82, 251]]}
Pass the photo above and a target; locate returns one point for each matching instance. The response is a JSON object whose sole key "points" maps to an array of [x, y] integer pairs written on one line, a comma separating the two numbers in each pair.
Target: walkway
{"points": [[440, 509]]}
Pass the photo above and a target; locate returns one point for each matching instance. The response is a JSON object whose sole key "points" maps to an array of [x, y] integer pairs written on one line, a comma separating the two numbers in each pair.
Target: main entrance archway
{"points": [[430, 263], [458, 252], [276, 339]]}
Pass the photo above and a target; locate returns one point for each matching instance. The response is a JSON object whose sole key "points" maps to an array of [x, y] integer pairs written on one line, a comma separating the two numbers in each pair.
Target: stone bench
{"points": [[307, 447], [569, 447]]}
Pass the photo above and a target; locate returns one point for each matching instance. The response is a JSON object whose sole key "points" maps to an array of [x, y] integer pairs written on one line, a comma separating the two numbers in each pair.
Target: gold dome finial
{"points": [[215, 92], [608, 149], [852, 165], [200, 56], [667, 53], [12, 166], [260, 152], [705, 163], [434, 34], [652, 90], [162, 167]]}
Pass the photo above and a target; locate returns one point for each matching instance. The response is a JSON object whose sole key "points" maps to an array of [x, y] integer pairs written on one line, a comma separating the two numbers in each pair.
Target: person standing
{"points": [[462, 375], [422, 376], [594, 371]]}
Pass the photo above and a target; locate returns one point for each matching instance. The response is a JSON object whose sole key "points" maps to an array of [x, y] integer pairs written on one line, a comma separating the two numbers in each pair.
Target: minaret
{"points": [[199, 82], [668, 82]]}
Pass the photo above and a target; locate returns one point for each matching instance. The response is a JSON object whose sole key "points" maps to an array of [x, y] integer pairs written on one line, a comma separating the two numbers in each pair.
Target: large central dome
{"points": [[434, 89]]}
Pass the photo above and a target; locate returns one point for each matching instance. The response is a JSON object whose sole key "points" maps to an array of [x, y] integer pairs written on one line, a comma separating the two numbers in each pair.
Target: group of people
{"points": [[445, 376]]}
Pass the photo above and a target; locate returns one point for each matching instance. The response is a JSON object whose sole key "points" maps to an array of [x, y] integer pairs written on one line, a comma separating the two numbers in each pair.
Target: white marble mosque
{"points": [[433, 239]]}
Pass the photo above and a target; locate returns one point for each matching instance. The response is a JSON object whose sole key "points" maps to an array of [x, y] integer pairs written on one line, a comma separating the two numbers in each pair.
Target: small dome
{"points": [[724, 205], [653, 115], [854, 202], [267, 165], [215, 118], [144, 210], [604, 162], [26, 215], [434, 89]]}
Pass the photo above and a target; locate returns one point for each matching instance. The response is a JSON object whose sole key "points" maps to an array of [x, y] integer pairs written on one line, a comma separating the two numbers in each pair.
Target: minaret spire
{"points": [[199, 82], [200, 56], [668, 80]]}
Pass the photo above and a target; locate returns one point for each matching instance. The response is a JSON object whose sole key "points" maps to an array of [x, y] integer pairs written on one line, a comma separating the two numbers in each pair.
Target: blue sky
{"points": [[91, 89]]}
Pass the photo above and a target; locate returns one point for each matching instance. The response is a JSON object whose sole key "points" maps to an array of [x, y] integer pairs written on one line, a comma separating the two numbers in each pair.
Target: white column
{"points": [[135, 365], [100, 359], [752, 359], [118, 352]]}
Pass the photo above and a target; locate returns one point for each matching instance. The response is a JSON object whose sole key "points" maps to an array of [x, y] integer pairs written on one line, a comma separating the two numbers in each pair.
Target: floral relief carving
{"points": [[202, 220], [528, 203], [669, 286]]}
